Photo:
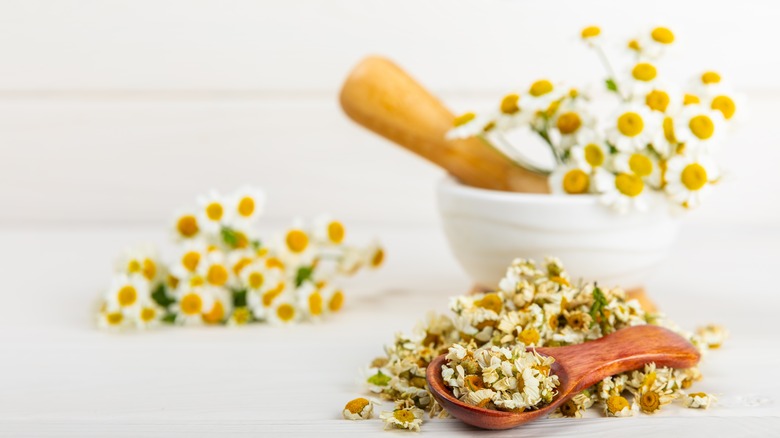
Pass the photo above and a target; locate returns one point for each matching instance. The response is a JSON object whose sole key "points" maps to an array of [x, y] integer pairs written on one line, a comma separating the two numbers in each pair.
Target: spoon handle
{"points": [[628, 349]]}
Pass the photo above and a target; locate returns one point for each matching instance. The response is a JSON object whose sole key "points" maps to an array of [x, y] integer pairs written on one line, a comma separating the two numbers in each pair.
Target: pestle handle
{"points": [[385, 99]]}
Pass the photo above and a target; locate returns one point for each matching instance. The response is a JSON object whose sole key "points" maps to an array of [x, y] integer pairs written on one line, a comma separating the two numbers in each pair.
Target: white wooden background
{"points": [[116, 112]]}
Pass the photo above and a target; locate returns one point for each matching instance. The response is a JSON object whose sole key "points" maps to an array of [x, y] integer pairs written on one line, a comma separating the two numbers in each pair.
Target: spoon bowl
{"points": [[578, 367]]}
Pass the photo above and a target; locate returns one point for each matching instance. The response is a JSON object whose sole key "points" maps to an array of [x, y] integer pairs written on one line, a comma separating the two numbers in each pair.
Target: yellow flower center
{"points": [[216, 314], [246, 206], [357, 405], [273, 262], [148, 314], [644, 72], [115, 318], [694, 176], [315, 304], [187, 226], [241, 264], [378, 258], [640, 165], [634, 45], [492, 302], [190, 260], [691, 99], [336, 232], [336, 301], [463, 119], [271, 295], [576, 182], [509, 104], [662, 35], [540, 88], [657, 100], [197, 281], [489, 126], [629, 185], [127, 296], [616, 403], [297, 241], [725, 105], [710, 77], [649, 402], [214, 211], [241, 315], [669, 130], [590, 32], [133, 266], [594, 155], [285, 312], [149, 269], [702, 126], [529, 336], [255, 280], [217, 275], [403, 415], [630, 124], [569, 409], [568, 123], [191, 304]]}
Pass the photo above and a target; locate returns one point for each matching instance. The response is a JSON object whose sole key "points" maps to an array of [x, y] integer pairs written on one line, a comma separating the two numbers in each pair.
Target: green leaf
{"points": [[379, 379], [256, 244], [239, 297], [304, 274], [597, 308], [160, 296], [169, 318], [611, 85], [229, 236]]}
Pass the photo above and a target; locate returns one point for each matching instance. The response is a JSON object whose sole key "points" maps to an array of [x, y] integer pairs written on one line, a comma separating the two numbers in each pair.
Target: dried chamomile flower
{"points": [[574, 407], [699, 400], [222, 272], [712, 335], [358, 409], [409, 418], [618, 406]]}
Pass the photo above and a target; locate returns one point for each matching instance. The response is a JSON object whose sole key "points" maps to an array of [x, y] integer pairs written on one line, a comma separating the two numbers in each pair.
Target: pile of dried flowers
{"points": [[222, 273], [533, 306], [655, 142]]}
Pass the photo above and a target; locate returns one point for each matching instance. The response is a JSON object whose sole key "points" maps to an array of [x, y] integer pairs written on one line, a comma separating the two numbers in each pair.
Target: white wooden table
{"points": [[59, 376]]}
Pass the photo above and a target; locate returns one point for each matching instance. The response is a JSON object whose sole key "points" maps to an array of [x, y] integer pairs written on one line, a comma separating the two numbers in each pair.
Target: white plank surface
{"points": [[62, 377]]}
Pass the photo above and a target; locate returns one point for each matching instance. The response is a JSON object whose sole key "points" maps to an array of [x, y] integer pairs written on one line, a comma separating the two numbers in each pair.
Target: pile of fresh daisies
{"points": [[533, 306], [223, 273], [657, 142]]}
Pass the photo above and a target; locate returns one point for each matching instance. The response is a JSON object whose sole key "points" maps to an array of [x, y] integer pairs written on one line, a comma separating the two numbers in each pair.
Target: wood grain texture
{"points": [[578, 367], [382, 97]]}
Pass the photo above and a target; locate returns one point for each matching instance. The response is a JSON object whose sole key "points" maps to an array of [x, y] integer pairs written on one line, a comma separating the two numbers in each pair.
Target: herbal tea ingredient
{"points": [[533, 306], [510, 379], [223, 273], [656, 142]]}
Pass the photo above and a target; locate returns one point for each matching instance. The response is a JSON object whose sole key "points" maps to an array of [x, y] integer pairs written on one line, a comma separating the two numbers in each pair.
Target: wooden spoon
{"points": [[578, 367], [385, 99]]}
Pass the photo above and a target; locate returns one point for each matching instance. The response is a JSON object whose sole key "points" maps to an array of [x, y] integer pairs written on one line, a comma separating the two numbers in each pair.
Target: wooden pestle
{"points": [[385, 99]]}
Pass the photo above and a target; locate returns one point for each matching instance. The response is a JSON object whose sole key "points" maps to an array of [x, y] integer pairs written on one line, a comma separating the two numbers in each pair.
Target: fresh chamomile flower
{"points": [[571, 180], [640, 79], [653, 44], [707, 84], [591, 35], [148, 314], [403, 418], [221, 305], [284, 311], [573, 123], [470, 125], [358, 409], [698, 400], [112, 318], [688, 178], [213, 211], [247, 204], [374, 255], [188, 258], [214, 270], [542, 97], [698, 127], [622, 191], [239, 259], [296, 247], [640, 163], [591, 153], [311, 300], [127, 292], [731, 105], [333, 298], [663, 99], [240, 316], [191, 304], [328, 231], [141, 260], [633, 127], [186, 225]]}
